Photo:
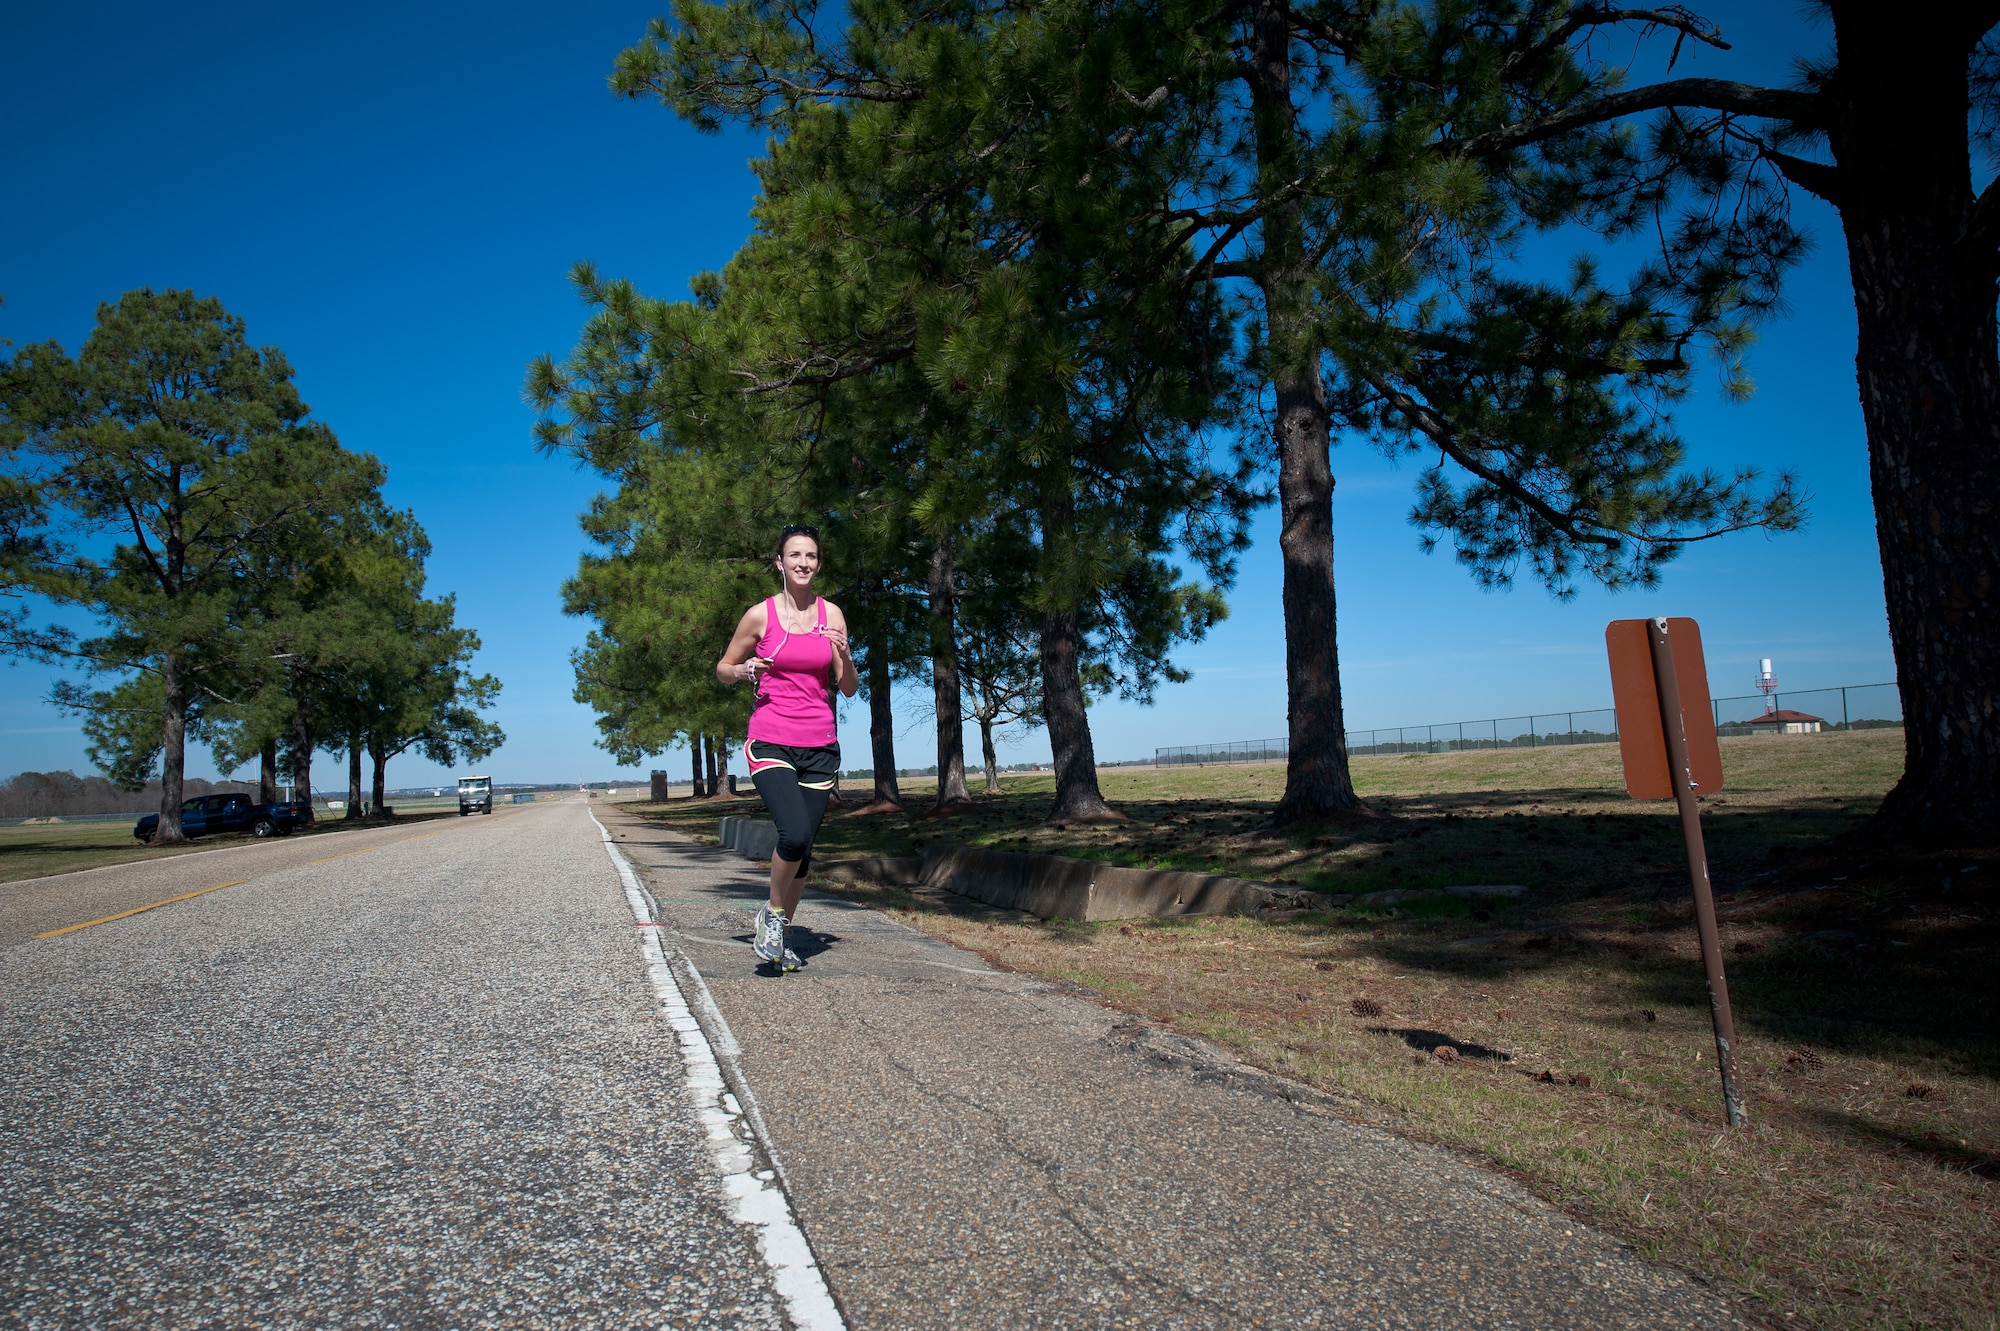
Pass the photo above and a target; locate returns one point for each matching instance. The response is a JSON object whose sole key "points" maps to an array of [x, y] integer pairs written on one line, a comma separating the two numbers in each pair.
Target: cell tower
{"points": [[1767, 684]]}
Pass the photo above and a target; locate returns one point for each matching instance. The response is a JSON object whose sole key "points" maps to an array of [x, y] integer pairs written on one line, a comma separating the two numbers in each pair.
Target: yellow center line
{"points": [[343, 855], [365, 849], [70, 929]]}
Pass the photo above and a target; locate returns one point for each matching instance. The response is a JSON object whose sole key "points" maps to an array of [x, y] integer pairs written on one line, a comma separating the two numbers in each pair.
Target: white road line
{"points": [[758, 1201]]}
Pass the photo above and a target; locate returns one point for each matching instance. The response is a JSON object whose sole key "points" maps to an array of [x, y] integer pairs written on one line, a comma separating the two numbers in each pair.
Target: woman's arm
{"points": [[740, 663], [845, 676]]}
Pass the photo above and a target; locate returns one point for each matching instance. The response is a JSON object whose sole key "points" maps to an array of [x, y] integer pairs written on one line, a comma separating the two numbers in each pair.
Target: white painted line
{"points": [[757, 1200]]}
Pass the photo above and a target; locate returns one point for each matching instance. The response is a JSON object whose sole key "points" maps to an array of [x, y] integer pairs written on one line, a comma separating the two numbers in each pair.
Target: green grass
{"points": [[33, 850]]}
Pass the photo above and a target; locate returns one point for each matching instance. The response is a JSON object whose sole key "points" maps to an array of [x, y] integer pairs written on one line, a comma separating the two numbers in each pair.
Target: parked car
{"points": [[475, 795], [230, 813]]}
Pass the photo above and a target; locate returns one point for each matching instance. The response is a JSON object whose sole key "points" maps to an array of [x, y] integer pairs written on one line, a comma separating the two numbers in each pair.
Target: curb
{"points": [[752, 838], [728, 1112]]}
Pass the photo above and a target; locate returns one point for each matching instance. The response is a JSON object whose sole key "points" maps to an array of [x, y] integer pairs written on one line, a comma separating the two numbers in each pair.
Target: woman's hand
{"points": [[845, 677], [741, 664]]}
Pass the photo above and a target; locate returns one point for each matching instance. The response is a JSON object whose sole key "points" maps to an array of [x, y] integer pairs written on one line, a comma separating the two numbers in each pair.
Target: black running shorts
{"points": [[816, 768]]}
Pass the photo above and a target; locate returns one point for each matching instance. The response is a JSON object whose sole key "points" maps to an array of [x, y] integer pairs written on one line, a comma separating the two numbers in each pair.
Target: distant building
{"points": [[1784, 721]]}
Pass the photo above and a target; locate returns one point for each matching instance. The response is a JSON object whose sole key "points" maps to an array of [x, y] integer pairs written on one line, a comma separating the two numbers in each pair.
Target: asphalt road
{"points": [[416, 1077], [30, 906], [968, 1148]]}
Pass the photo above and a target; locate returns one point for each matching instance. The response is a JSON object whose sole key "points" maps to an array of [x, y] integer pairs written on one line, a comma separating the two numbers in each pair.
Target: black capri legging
{"points": [[796, 809]]}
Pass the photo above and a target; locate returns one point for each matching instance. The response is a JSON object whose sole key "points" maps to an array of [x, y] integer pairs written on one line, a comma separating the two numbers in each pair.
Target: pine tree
{"points": [[905, 233], [1884, 127], [176, 439]]}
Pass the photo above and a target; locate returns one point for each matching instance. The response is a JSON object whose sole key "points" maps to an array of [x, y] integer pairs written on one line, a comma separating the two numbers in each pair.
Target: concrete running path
{"points": [[425, 1083], [968, 1148]]}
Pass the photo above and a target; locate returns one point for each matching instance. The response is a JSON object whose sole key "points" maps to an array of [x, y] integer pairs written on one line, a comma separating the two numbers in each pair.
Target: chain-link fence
{"points": [[1850, 707], [72, 818], [1598, 725], [1241, 751]]}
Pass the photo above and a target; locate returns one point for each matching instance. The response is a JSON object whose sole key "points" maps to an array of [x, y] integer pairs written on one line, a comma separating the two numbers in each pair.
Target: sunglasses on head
{"points": [[797, 530]]}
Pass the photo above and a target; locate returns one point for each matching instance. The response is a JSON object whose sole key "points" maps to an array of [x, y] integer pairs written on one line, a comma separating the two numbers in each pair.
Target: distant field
{"points": [[1866, 1194], [32, 850], [446, 803], [1567, 820]]}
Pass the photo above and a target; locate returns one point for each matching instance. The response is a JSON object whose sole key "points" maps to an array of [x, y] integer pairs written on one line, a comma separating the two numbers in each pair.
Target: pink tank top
{"points": [[794, 697]]}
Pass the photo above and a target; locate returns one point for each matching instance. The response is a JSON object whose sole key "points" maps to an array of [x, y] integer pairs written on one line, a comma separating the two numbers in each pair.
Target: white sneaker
{"points": [[769, 944]]}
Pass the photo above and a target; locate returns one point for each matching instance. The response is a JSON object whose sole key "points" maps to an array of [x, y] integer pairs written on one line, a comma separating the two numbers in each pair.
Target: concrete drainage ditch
{"points": [[1064, 887]]}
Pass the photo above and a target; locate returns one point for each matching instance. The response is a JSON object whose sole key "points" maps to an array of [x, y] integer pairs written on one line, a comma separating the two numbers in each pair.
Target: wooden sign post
{"points": [[1666, 735]]}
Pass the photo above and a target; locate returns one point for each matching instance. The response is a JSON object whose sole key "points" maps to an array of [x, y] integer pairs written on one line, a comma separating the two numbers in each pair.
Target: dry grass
{"points": [[1577, 1047], [1849, 1202]]}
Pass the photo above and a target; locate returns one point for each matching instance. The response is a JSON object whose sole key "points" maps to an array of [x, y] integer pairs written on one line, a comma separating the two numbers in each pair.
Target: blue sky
{"points": [[393, 196]]}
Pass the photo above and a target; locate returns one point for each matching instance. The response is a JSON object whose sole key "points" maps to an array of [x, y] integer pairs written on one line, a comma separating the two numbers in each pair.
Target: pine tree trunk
{"points": [[986, 752], [1074, 756], [303, 741], [694, 753], [353, 777], [717, 787], [882, 722], [380, 782], [1317, 783], [173, 755], [1930, 397], [945, 692], [267, 773]]}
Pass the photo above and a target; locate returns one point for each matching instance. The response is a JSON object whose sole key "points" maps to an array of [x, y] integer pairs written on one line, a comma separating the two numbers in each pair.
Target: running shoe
{"points": [[770, 928], [790, 961]]}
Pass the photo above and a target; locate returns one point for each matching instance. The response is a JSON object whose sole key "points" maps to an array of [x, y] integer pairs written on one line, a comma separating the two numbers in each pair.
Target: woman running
{"points": [[793, 647]]}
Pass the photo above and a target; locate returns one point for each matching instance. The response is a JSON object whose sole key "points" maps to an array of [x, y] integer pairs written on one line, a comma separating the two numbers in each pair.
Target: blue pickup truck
{"points": [[205, 814]]}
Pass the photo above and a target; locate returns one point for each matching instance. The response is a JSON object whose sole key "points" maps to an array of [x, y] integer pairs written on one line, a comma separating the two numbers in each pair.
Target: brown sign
{"points": [[1641, 741], [1666, 733]]}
